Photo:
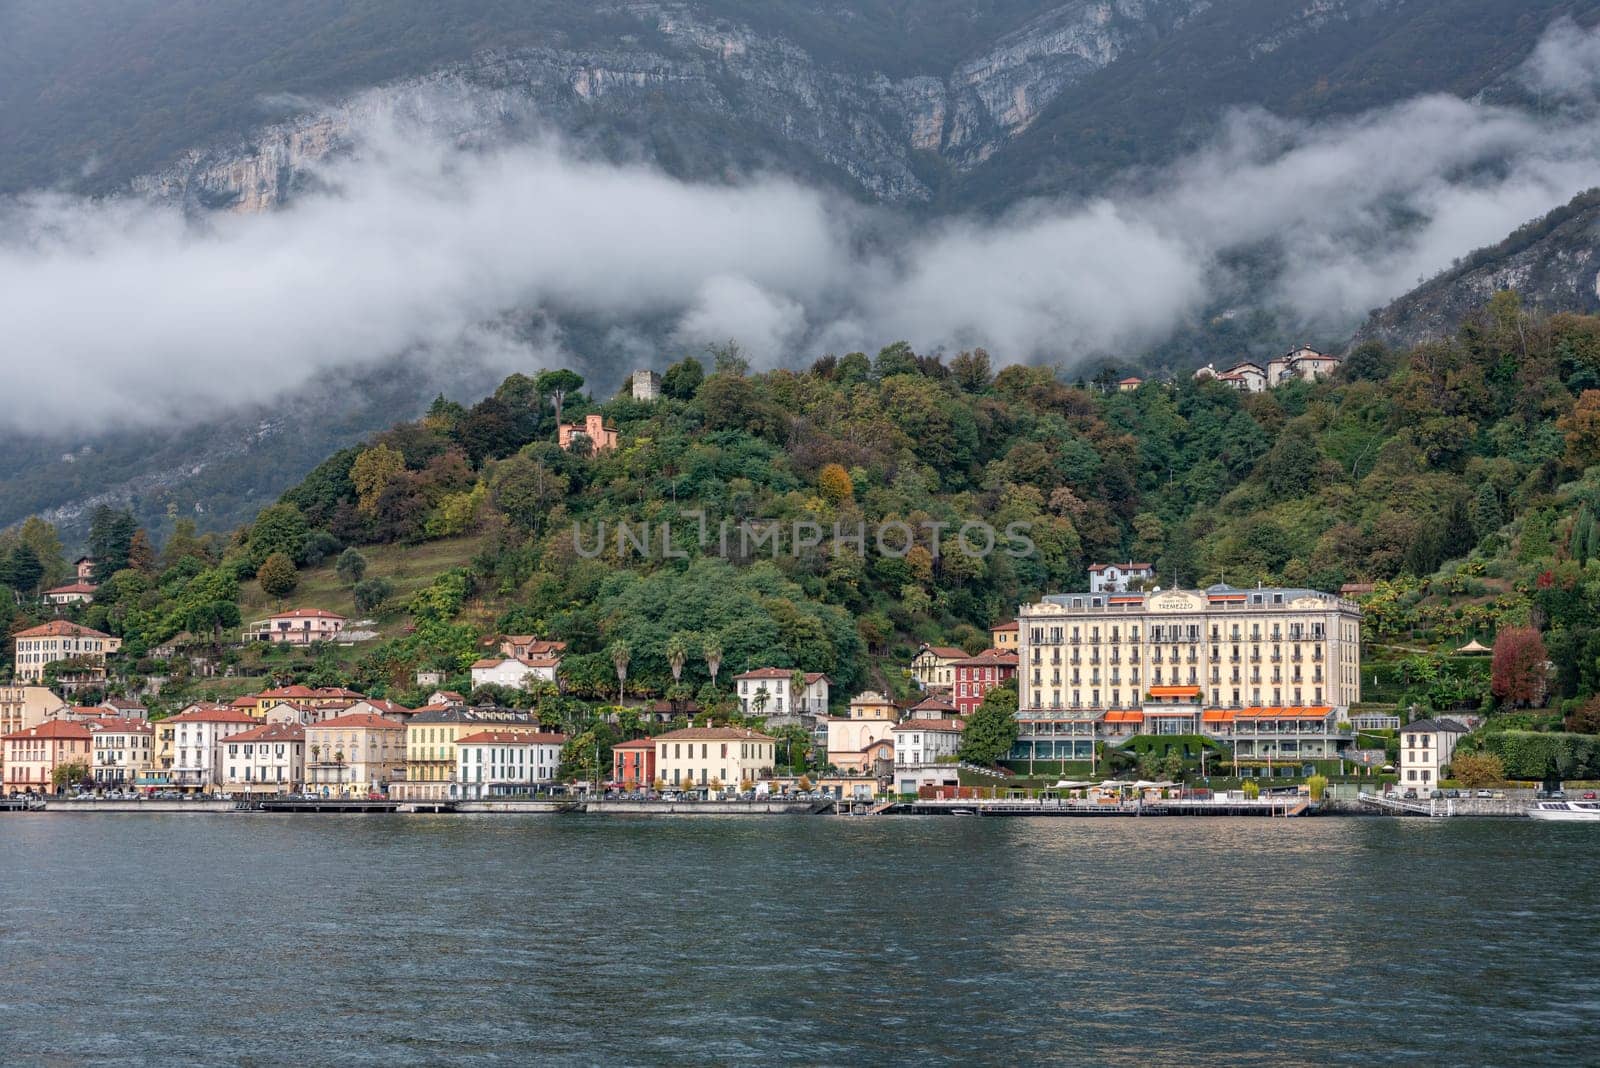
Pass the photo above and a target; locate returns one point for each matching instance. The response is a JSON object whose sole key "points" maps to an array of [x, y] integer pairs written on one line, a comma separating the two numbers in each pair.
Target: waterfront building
{"points": [[197, 736], [633, 764], [698, 756], [863, 741], [931, 665], [355, 753], [269, 759], [1113, 665], [61, 640], [926, 741], [773, 691], [496, 763], [431, 737], [977, 675], [1426, 747], [300, 626], [33, 754], [124, 751]]}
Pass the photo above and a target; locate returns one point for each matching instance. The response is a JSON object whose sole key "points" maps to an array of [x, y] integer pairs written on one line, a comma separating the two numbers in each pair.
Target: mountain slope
{"points": [[1552, 262]]}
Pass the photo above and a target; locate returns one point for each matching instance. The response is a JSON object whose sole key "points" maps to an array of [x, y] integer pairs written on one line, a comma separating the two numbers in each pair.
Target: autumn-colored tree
{"points": [[1585, 719], [834, 482], [278, 576], [1473, 770], [371, 474], [1582, 429], [1518, 667], [141, 554]]}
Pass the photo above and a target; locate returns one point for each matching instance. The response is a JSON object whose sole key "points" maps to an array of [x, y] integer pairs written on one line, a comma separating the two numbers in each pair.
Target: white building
{"points": [[71, 593], [301, 626], [514, 672], [770, 691], [1114, 578], [1426, 747], [497, 763], [124, 749], [197, 737], [270, 759], [926, 741], [1246, 377]]}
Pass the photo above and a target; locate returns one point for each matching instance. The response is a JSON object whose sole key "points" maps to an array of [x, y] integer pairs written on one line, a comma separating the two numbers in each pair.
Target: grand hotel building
{"points": [[1257, 664]]}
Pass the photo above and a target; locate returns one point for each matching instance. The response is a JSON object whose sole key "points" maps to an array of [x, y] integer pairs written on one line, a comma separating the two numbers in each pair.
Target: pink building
{"points": [[594, 428], [299, 627]]}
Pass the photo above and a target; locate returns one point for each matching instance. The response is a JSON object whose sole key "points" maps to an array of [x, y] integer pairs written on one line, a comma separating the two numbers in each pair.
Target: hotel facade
{"points": [[1236, 664]]}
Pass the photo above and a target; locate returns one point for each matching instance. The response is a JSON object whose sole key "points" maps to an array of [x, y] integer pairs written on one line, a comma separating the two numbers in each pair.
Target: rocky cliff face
{"points": [[701, 77], [1553, 263]]}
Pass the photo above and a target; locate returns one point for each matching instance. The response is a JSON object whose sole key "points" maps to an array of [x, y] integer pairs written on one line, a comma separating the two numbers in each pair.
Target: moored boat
{"points": [[1566, 810]]}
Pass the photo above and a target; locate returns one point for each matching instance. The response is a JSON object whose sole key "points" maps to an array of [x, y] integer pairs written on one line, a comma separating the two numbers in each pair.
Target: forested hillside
{"points": [[1454, 476]]}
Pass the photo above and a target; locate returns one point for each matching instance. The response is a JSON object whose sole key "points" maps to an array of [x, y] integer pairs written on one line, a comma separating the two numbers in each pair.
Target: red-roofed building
{"points": [[61, 640], [771, 692], [1004, 636], [515, 672], [124, 750], [1115, 578], [197, 736], [931, 665], [71, 593], [633, 764], [300, 626], [269, 759], [975, 676], [33, 754], [498, 763], [356, 753]]}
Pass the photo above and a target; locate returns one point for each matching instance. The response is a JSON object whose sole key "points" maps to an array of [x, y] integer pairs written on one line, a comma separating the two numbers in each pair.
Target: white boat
{"points": [[1565, 810]]}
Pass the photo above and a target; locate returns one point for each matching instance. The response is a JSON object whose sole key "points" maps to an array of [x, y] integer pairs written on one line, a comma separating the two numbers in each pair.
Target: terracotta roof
{"points": [[767, 673], [637, 743], [1131, 378], [989, 658], [74, 587], [814, 677], [119, 725], [55, 729], [357, 720], [1009, 624], [536, 645], [306, 613], [385, 708], [934, 703], [944, 652], [59, 628], [1129, 566], [937, 725], [534, 662], [212, 715], [513, 738], [271, 732], [711, 733]]}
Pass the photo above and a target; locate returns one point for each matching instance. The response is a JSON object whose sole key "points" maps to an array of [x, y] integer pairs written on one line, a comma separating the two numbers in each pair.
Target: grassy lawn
{"points": [[409, 567]]}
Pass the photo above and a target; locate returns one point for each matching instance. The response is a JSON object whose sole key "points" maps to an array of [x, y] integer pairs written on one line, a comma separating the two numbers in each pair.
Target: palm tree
{"points": [[620, 655], [677, 656], [711, 649], [760, 699]]}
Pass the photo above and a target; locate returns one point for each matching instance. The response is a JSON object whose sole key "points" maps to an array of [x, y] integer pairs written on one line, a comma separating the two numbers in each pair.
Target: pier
{"points": [[1278, 806]]}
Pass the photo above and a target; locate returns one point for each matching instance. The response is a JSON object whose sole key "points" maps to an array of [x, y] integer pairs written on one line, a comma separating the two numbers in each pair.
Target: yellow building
{"points": [[933, 665], [1003, 636], [354, 753], [698, 756], [431, 737]]}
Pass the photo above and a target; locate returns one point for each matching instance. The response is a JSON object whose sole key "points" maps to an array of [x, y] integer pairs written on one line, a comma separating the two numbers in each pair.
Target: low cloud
{"points": [[124, 312]]}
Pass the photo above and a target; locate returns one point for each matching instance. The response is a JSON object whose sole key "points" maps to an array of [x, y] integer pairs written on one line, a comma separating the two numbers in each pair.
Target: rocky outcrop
{"points": [[1553, 263], [701, 77]]}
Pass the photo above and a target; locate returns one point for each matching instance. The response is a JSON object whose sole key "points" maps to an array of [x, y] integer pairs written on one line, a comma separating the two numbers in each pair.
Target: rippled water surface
{"points": [[457, 939]]}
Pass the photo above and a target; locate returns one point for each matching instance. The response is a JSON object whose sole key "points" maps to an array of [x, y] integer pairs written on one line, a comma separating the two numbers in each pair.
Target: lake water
{"points": [[258, 939]]}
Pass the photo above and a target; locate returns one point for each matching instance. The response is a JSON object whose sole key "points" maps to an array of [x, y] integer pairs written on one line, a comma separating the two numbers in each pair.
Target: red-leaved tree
{"points": [[1519, 666]]}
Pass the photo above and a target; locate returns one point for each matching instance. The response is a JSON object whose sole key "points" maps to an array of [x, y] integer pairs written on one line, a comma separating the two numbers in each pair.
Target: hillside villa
{"points": [[299, 626]]}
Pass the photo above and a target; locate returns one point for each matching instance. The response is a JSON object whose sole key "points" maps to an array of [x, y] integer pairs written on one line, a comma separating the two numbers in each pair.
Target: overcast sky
{"points": [[125, 312]]}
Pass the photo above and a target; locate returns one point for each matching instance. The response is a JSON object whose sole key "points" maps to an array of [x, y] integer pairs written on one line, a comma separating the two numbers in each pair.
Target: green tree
{"points": [[620, 654], [677, 650], [558, 385], [682, 380], [63, 776], [992, 728], [111, 533], [277, 575], [352, 566], [1485, 513], [370, 594], [280, 528]]}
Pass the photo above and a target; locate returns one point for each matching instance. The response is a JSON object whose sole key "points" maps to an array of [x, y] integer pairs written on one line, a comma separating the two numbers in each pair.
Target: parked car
{"points": [[1410, 795], [1589, 795], [1485, 793]]}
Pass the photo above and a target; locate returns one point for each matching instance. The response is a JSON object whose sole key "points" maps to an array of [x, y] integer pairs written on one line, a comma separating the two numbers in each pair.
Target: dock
{"points": [[1066, 807]]}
